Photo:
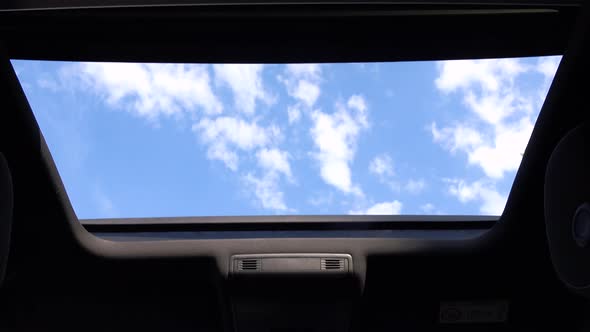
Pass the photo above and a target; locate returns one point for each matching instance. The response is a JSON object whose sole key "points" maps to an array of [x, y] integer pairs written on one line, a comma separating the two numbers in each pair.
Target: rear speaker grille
{"points": [[334, 264], [249, 264]]}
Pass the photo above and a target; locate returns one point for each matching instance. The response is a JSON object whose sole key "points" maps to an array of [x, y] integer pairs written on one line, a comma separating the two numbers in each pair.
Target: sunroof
{"points": [[163, 140]]}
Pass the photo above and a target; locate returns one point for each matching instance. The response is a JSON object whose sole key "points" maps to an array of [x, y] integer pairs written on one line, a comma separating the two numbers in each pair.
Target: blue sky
{"points": [[157, 140]]}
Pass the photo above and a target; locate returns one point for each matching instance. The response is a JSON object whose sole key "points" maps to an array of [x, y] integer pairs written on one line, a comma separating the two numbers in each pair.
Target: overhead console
{"points": [[293, 292], [291, 264]]}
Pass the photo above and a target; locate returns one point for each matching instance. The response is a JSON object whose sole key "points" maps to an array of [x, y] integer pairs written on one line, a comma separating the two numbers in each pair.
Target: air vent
{"points": [[249, 264], [304, 263], [333, 264]]}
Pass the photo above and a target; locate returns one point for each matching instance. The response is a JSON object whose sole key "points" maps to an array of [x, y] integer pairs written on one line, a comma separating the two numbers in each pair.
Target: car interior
{"points": [[525, 270]]}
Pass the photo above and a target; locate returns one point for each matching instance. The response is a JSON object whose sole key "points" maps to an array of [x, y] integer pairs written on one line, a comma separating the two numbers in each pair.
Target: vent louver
{"points": [[297, 263], [250, 264], [333, 264]]}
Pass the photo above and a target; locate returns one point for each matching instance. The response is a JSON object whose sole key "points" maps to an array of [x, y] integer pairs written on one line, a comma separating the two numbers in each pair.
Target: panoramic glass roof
{"points": [[163, 140]]}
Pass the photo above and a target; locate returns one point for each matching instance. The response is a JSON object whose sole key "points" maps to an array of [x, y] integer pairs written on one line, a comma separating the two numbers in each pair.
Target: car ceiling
{"points": [[61, 275]]}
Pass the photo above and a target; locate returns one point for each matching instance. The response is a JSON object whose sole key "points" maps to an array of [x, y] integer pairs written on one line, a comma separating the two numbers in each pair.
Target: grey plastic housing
{"points": [[304, 263]]}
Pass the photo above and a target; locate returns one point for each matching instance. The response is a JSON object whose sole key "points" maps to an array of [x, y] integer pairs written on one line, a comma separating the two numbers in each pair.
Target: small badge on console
{"points": [[473, 312]]}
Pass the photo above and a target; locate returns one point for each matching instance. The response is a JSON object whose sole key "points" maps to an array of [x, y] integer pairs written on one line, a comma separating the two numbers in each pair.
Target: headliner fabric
{"points": [[5, 213], [567, 186]]}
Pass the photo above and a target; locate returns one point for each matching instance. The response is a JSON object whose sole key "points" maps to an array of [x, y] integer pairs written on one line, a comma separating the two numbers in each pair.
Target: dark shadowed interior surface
{"points": [[275, 273]]}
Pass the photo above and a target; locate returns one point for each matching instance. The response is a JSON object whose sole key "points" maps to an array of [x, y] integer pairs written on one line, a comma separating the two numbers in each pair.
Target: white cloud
{"points": [[49, 84], [226, 136], [149, 90], [490, 75], [427, 208], [224, 133], [274, 160], [504, 114], [243, 134], [294, 114], [372, 68], [381, 165], [322, 199], [104, 204], [384, 208], [267, 191], [548, 66], [495, 108], [220, 151], [245, 81], [487, 85], [306, 92], [495, 155], [302, 82], [357, 102], [335, 137], [415, 186], [496, 138], [458, 137], [504, 153], [481, 191], [307, 70]]}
